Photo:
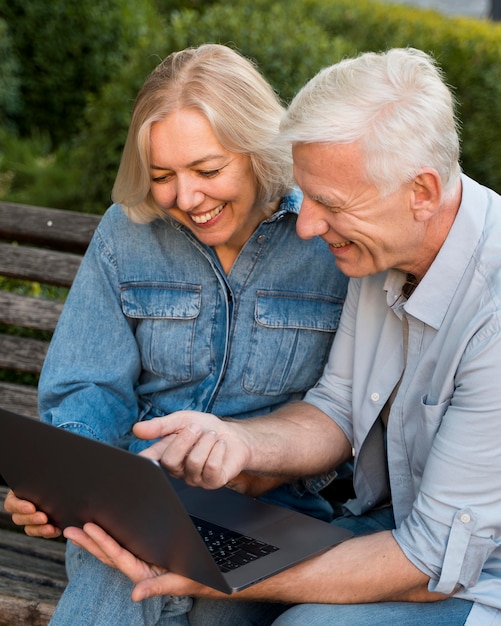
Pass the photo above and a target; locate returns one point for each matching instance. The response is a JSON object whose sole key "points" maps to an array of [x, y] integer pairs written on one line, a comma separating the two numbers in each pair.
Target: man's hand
{"points": [[150, 580], [24, 513], [200, 448]]}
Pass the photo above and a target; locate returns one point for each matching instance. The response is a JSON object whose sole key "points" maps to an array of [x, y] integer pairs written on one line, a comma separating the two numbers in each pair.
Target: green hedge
{"points": [[468, 50], [288, 54], [66, 50], [290, 41]]}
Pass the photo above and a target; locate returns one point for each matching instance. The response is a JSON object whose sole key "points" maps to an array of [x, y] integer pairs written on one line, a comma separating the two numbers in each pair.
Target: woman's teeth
{"points": [[202, 219]]}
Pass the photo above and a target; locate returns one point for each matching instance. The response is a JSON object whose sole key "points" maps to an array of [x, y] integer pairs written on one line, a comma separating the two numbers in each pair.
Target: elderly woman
{"points": [[195, 293]]}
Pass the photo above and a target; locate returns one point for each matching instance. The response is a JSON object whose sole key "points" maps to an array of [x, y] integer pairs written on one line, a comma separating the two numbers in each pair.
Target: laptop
{"points": [[220, 538]]}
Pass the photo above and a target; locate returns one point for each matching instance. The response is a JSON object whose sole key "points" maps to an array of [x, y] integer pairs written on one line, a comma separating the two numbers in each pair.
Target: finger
{"points": [[46, 531], [82, 539], [216, 472], [168, 584], [34, 519], [175, 454], [13, 504], [157, 449], [162, 426], [105, 548], [198, 456]]}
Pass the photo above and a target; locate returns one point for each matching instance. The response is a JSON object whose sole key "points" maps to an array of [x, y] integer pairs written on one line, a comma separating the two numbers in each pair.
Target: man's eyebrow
{"points": [[324, 200], [209, 157]]}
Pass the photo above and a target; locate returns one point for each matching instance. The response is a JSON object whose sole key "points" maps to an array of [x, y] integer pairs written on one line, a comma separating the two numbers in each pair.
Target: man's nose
{"points": [[189, 195], [310, 222]]}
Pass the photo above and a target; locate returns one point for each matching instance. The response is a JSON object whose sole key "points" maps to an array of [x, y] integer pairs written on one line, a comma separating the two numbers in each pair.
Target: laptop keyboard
{"points": [[229, 548]]}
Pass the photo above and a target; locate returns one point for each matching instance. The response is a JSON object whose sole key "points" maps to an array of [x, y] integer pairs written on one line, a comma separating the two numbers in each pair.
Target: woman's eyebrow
{"points": [[209, 157]]}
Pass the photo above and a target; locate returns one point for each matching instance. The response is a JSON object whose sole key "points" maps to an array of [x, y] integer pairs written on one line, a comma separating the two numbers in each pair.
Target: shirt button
{"points": [[261, 238], [465, 518], [375, 397]]}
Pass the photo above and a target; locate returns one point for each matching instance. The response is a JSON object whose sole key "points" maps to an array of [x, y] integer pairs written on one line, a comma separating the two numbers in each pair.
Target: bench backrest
{"points": [[37, 245]]}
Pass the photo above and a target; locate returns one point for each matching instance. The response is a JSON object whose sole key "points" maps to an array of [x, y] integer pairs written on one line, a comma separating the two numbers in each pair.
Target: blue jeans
{"points": [[100, 596], [452, 612]]}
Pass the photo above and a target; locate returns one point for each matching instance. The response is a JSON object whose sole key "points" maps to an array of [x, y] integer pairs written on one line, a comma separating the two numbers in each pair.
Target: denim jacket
{"points": [[153, 325]]}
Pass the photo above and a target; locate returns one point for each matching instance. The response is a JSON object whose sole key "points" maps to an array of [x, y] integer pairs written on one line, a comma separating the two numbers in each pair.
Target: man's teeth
{"points": [[341, 245], [202, 219]]}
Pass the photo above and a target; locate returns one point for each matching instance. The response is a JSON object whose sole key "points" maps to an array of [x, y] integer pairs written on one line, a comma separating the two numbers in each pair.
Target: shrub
{"points": [[290, 42], [9, 76], [468, 50], [66, 50], [287, 54]]}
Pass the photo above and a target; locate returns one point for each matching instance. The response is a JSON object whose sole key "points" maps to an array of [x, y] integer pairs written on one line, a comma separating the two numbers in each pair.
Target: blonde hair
{"points": [[241, 107]]}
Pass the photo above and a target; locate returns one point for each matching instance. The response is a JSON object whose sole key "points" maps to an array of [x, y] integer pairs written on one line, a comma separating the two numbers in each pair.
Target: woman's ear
{"points": [[427, 194]]}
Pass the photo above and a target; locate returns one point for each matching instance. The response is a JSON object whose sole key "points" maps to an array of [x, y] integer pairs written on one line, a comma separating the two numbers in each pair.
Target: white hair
{"points": [[396, 105]]}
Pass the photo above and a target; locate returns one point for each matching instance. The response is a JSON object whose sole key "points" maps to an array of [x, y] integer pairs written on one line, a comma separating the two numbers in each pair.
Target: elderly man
{"points": [[411, 387]]}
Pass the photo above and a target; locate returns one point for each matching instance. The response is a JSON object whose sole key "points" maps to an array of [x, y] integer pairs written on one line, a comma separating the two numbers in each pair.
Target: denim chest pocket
{"points": [[166, 315], [290, 341]]}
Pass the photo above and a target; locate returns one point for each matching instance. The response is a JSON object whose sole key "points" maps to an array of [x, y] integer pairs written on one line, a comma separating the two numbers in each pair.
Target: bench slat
{"points": [[32, 578], [66, 230], [38, 245], [29, 312], [36, 264], [19, 399], [32, 575], [26, 606], [22, 354]]}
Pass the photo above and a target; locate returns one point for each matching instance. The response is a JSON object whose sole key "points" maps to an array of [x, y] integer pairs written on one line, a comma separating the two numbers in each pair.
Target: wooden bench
{"points": [[37, 246]]}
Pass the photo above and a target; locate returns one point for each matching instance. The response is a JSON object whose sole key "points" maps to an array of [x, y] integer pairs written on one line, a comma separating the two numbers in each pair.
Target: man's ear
{"points": [[427, 194]]}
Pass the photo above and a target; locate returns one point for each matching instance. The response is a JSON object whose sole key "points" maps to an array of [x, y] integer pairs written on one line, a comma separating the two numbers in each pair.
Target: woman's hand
{"points": [[24, 513]]}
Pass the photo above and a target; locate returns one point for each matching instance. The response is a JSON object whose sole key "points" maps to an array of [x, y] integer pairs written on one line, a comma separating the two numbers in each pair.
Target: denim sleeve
{"points": [[453, 532], [88, 378]]}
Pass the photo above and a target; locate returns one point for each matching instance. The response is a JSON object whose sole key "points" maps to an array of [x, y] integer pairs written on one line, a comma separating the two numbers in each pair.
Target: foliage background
{"points": [[70, 69]]}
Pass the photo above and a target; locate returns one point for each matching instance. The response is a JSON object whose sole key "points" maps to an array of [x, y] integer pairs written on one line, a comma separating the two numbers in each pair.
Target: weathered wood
{"points": [[45, 246], [65, 230], [29, 312], [18, 610], [22, 354], [32, 578], [35, 264], [21, 399], [32, 575]]}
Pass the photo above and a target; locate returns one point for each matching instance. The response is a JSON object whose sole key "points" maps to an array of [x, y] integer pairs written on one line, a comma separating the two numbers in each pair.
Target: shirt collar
{"points": [[431, 299]]}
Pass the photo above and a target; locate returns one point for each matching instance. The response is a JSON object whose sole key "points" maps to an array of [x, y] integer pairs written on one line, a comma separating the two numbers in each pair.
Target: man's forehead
{"points": [[328, 165]]}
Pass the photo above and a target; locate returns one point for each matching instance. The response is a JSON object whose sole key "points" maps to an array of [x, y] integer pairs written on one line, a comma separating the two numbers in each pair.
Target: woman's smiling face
{"points": [[209, 189]]}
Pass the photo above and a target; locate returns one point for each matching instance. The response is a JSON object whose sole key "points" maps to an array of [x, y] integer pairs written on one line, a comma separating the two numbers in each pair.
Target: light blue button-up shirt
{"points": [[153, 325], [444, 428]]}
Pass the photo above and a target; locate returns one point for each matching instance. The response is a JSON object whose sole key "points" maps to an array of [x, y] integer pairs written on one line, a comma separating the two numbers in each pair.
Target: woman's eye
{"points": [[165, 178]]}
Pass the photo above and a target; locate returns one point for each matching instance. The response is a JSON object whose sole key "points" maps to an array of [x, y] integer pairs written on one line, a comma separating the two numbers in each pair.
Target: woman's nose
{"points": [[310, 222], [189, 195]]}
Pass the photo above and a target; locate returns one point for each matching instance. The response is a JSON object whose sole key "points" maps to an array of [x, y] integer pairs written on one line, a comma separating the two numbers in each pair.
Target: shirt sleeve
{"points": [[455, 524], [333, 392], [89, 375]]}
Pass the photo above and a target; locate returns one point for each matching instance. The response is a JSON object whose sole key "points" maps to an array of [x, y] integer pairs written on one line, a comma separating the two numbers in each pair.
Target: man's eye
{"points": [[209, 173]]}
